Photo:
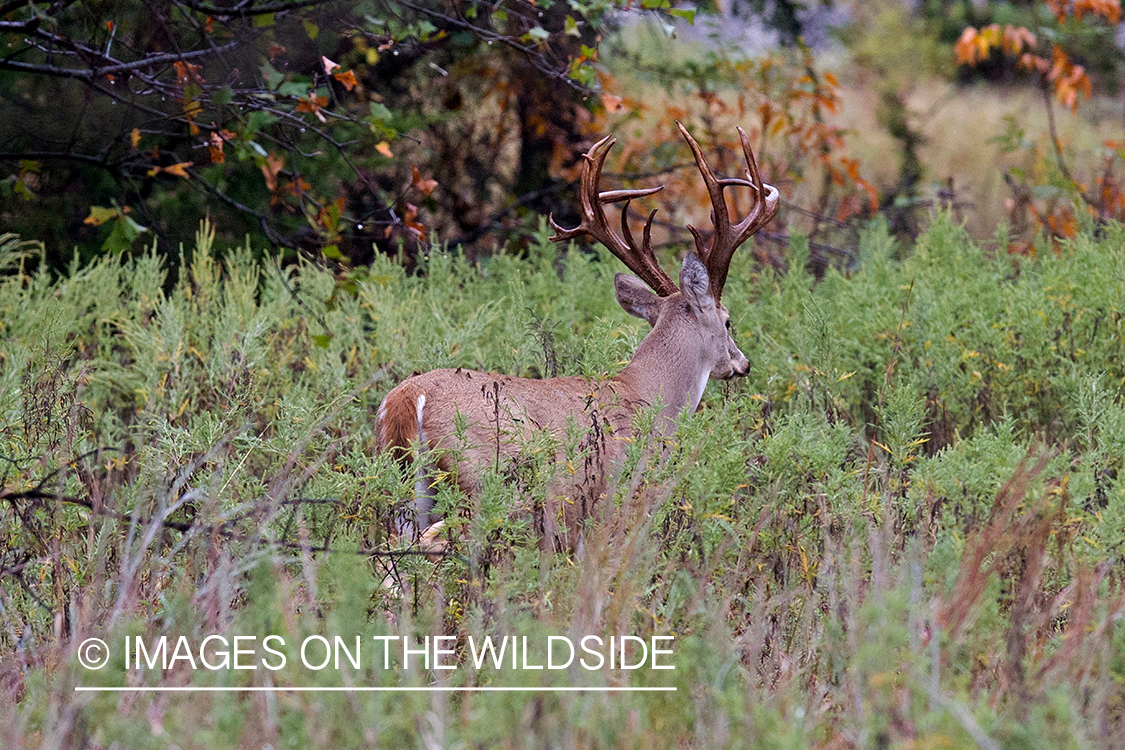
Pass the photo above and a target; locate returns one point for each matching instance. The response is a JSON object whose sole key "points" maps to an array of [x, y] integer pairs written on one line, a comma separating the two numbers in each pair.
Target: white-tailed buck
{"points": [[689, 342]]}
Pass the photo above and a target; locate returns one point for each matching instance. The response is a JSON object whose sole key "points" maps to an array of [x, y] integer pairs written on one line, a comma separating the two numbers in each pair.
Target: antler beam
{"points": [[727, 237], [640, 261]]}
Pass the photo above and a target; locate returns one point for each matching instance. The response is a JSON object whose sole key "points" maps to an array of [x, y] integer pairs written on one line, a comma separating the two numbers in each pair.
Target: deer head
{"points": [[689, 321]]}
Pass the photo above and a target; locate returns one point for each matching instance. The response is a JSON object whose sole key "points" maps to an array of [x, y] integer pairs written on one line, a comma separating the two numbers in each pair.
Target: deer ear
{"points": [[695, 283], [636, 298]]}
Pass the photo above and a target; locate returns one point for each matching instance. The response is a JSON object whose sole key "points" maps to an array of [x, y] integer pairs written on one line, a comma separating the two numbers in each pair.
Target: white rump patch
{"points": [[421, 406], [423, 493], [381, 421]]}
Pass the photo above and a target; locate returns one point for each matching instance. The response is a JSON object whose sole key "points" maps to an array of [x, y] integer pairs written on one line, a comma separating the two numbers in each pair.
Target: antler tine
{"points": [[717, 256], [641, 261]]}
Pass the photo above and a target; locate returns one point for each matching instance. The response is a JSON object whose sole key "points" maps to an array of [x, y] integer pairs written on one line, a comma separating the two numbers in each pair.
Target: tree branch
{"points": [[537, 59], [89, 74], [247, 9]]}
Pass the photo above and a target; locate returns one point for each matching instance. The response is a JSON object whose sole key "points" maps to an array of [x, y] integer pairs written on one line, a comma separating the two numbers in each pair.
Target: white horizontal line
{"points": [[371, 689]]}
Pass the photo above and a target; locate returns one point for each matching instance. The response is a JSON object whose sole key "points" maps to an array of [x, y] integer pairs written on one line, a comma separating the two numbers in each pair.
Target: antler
{"points": [[727, 237], [642, 262]]}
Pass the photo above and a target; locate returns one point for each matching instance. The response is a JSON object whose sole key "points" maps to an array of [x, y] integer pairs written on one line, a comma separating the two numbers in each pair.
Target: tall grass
{"points": [[903, 529]]}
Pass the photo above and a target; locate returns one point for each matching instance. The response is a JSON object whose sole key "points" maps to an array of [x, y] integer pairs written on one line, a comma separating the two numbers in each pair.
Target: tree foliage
{"points": [[320, 124], [1051, 54]]}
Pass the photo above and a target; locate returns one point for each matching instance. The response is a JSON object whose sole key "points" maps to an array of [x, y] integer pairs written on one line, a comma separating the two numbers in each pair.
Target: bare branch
{"points": [[246, 9]]}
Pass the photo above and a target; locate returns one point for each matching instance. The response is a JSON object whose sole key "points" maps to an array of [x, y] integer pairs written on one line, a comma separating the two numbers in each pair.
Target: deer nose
{"points": [[742, 367]]}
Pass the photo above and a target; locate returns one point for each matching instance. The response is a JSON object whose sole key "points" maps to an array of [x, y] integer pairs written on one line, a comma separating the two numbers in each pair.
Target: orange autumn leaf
{"points": [[347, 78], [313, 104], [384, 148], [329, 66], [1068, 80], [410, 220], [612, 103], [976, 45], [192, 109], [187, 73], [271, 169], [425, 186], [1017, 38], [966, 47], [1110, 10], [1059, 8], [215, 146], [179, 169], [293, 189], [135, 137]]}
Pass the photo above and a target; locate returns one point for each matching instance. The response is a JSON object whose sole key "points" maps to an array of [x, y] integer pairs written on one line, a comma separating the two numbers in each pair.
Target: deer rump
{"points": [[501, 417]]}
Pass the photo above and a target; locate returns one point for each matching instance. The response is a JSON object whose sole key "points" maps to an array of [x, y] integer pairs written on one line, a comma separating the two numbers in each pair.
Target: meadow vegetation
{"points": [[904, 529]]}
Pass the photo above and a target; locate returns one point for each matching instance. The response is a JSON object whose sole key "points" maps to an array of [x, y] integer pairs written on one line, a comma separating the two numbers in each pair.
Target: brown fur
{"points": [[397, 425]]}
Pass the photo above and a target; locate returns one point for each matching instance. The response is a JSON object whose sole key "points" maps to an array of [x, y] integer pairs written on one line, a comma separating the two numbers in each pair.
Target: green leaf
{"points": [[100, 215], [135, 228], [333, 252], [263, 21], [20, 188], [684, 13], [311, 29], [259, 121], [322, 340], [379, 112], [539, 33], [225, 95], [125, 230], [272, 76], [571, 27], [294, 88]]}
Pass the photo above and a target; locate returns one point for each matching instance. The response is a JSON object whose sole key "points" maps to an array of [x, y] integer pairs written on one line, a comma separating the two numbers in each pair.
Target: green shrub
{"points": [[904, 528]]}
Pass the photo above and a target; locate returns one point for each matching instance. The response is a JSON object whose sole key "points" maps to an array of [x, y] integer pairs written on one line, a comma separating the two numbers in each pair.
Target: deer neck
{"points": [[664, 370]]}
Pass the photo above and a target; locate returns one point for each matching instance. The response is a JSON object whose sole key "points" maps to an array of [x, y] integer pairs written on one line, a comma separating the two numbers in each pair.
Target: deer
{"points": [[689, 343]]}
